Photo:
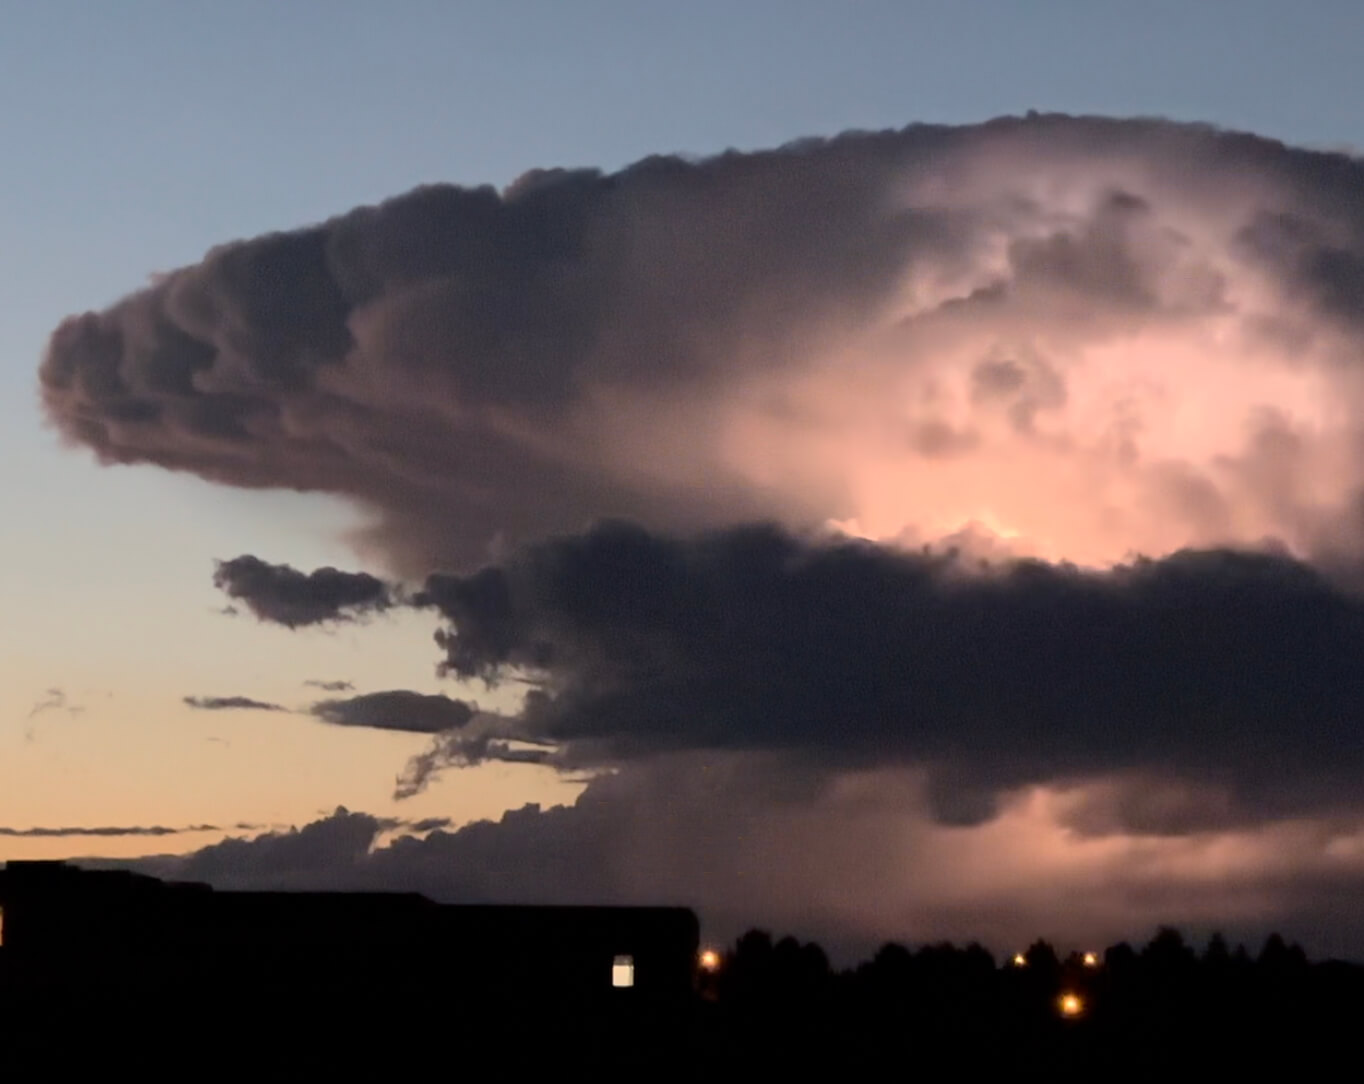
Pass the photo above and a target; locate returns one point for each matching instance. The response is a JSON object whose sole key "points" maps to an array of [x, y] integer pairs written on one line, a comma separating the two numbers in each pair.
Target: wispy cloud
{"points": [[113, 831], [231, 703]]}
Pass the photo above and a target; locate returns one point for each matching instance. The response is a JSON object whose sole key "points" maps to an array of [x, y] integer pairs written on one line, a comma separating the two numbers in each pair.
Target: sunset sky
{"points": [[659, 446]]}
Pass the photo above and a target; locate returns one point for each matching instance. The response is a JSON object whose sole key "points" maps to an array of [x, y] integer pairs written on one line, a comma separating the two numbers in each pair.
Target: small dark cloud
{"points": [[428, 824], [288, 597], [331, 686], [397, 709], [412, 827], [231, 703]]}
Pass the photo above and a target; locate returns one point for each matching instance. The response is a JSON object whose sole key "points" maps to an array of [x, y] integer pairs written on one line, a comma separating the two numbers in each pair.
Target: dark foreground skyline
{"points": [[627, 990]]}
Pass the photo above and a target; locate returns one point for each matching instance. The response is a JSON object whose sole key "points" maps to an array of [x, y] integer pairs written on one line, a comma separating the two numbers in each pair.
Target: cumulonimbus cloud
{"points": [[1086, 336], [1057, 342]]}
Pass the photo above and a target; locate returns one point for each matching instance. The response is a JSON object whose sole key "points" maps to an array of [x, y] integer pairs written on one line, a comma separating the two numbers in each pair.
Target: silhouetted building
{"points": [[96, 941]]}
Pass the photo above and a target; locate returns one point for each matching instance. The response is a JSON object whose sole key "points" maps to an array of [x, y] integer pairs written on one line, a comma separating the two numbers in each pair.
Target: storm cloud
{"points": [[1088, 336], [1235, 668]]}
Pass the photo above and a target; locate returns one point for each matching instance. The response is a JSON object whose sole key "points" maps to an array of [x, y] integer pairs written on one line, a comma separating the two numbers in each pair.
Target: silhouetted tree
{"points": [[1217, 954], [1281, 958]]}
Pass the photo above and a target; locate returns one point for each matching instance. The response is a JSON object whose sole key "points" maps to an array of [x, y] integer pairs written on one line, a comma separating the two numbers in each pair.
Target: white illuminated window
{"points": [[623, 971]]}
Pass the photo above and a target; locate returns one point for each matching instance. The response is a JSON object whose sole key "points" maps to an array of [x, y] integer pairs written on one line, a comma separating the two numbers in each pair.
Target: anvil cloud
{"points": [[1088, 336]]}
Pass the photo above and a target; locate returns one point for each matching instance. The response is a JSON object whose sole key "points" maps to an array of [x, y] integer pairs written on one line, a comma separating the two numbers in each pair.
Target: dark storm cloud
{"points": [[1238, 668], [231, 703], [286, 596], [455, 358], [397, 709]]}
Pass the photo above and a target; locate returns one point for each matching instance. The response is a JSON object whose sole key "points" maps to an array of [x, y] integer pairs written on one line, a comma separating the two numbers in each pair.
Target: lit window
{"points": [[623, 971]]}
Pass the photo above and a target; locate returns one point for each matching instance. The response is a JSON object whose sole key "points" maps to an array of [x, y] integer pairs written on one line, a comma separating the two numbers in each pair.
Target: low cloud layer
{"points": [[1085, 336], [853, 862]]}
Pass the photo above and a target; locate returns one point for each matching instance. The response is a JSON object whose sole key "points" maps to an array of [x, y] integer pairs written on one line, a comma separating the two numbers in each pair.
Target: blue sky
{"points": [[135, 136]]}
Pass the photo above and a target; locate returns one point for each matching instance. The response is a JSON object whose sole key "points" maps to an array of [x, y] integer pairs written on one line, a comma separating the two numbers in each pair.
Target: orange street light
{"points": [[1091, 959], [1020, 960], [1071, 1005], [710, 960]]}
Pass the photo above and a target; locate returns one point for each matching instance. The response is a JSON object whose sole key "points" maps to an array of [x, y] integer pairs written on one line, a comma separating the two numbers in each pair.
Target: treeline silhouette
{"points": [[1120, 1013]]}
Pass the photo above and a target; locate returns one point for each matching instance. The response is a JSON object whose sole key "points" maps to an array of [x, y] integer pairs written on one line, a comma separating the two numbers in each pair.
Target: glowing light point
{"points": [[1071, 1005], [710, 960], [1020, 960], [1091, 959]]}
